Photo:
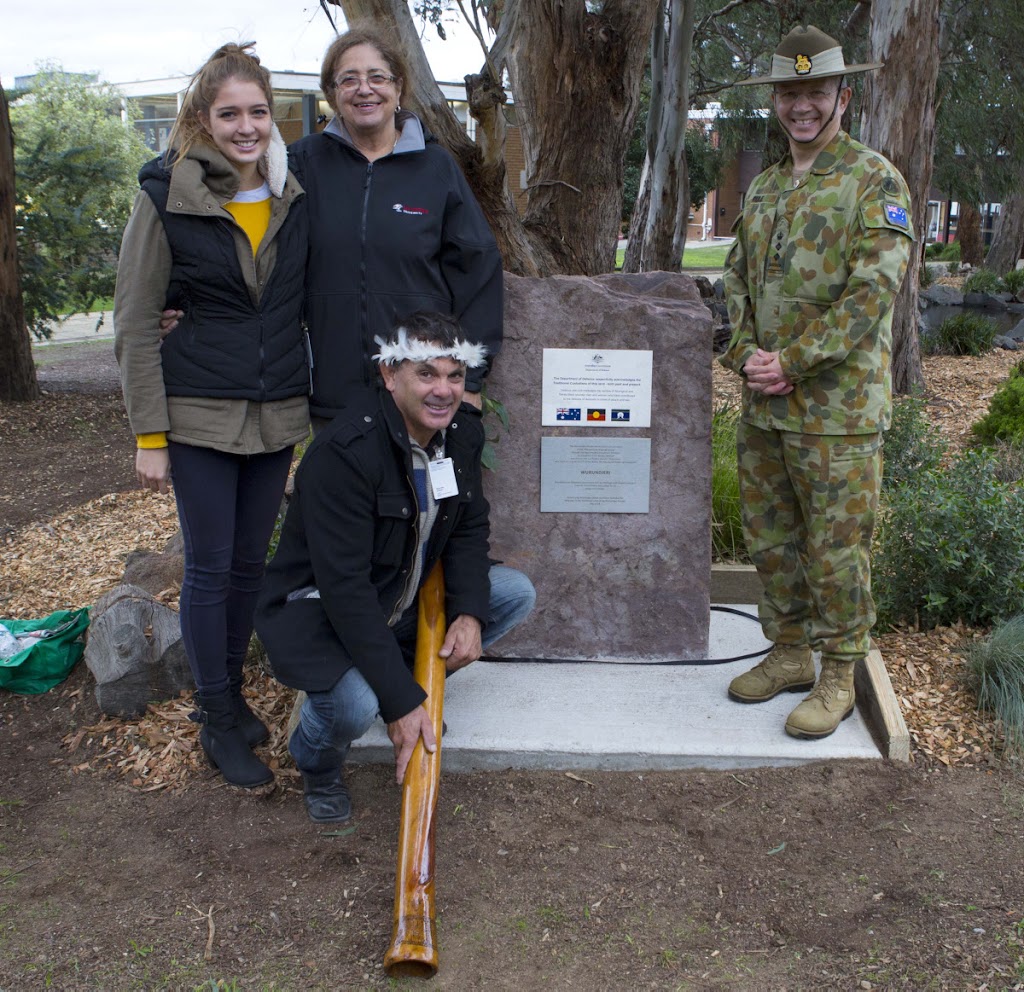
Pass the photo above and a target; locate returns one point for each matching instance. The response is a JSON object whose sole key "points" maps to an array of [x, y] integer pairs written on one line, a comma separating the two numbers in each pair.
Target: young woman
{"points": [[219, 233]]}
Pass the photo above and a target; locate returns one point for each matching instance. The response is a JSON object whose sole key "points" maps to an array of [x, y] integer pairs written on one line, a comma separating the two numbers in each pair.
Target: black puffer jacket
{"points": [[229, 344], [350, 531], [389, 237]]}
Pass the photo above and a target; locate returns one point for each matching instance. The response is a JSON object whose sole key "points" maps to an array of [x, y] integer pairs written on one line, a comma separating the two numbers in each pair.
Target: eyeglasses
{"points": [[375, 80]]}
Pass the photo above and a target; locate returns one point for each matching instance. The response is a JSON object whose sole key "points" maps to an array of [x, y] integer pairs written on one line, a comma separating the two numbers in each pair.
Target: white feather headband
{"points": [[406, 349]]}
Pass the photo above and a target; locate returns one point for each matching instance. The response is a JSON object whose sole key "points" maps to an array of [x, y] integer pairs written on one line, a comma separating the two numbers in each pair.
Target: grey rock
{"points": [[1016, 333], [1004, 342], [707, 291], [945, 296], [719, 289], [985, 301], [609, 585], [131, 651]]}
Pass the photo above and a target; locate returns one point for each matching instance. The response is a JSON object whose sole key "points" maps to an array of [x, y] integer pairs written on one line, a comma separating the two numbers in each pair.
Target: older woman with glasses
{"points": [[394, 227]]}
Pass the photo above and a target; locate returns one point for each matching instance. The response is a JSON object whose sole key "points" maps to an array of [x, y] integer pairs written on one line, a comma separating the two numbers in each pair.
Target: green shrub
{"points": [[996, 674], [1005, 418], [911, 445], [925, 277], [950, 253], [1014, 281], [950, 547], [726, 526], [933, 252], [983, 281], [964, 334]]}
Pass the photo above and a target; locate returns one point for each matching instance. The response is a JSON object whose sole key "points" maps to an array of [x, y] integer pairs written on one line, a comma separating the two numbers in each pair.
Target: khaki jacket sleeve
{"points": [[143, 274]]}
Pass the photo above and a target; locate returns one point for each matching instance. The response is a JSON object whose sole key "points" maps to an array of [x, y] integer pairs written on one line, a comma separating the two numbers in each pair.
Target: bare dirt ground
{"points": [[829, 876]]}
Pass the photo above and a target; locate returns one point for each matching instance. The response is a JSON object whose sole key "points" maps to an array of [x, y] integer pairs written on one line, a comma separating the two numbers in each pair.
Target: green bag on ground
{"points": [[49, 661]]}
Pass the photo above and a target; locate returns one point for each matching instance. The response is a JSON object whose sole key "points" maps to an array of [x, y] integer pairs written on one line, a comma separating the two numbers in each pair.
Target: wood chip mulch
{"points": [[78, 555]]}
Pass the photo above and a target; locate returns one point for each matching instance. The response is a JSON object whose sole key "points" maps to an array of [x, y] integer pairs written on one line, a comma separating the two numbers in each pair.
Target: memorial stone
{"points": [[610, 586]]}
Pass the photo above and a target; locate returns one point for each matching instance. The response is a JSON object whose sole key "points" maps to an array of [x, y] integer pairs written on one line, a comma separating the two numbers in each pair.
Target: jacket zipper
{"points": [[364, 303]]}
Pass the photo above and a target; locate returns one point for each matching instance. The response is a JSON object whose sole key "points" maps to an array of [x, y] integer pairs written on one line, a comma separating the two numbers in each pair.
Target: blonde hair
{"points": [[231, 61]]}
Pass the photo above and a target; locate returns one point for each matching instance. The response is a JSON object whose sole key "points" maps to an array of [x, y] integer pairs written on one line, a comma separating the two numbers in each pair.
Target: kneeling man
{"points": [[389, 488]]}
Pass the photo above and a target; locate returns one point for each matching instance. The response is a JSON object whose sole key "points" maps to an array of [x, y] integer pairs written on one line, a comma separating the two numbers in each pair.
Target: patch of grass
{"points": [[712, 257], [727, 542], [964, 334], [997, 677], [983, 281], [1014, 280]]}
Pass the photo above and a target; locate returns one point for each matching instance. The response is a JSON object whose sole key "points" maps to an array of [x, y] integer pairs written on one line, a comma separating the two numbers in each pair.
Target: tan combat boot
{"points": [[830, 702], [786, 668]]}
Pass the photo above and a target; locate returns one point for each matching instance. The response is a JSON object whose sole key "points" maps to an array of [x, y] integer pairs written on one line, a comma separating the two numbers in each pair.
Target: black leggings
{"points": [[227, 505]]}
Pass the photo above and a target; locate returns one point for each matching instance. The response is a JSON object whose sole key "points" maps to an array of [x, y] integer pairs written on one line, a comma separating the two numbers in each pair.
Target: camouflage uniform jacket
{"points": [[813, 275]]}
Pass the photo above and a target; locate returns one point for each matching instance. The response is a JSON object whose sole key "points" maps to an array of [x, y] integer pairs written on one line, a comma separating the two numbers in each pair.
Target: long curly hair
{"points": [[231, 61]]}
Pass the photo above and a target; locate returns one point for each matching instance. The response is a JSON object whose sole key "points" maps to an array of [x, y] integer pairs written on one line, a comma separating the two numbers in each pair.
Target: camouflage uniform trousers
{"points": [[808, 505]]}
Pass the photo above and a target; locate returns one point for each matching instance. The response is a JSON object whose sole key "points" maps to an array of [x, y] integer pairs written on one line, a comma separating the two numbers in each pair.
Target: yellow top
{"points": [[252, 217]]}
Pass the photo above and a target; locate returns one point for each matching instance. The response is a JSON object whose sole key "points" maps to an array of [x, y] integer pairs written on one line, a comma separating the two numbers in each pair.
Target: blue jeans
{"points": [[331, 720]]}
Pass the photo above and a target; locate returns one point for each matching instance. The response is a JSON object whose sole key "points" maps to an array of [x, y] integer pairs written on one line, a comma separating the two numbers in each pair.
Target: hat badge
{"points": [[802, 65]]}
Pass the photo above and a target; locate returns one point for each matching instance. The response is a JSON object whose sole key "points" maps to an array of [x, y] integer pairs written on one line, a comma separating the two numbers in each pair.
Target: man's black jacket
{"points": [[350, 531]]}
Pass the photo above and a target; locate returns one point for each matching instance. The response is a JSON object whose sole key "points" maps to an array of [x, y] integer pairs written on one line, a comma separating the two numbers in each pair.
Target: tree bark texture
{"points": [[968, 233], [1008, 239], [483, 163], [657, 234], [17, 371], [576, 71], [899, 121]]}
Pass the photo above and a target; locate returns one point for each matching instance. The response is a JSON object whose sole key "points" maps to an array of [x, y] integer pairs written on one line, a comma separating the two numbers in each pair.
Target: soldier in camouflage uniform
{"points": [[821, 249]]}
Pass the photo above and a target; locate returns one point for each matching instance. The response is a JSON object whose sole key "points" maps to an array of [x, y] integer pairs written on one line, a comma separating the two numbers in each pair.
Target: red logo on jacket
{"points": [[401, 208]]}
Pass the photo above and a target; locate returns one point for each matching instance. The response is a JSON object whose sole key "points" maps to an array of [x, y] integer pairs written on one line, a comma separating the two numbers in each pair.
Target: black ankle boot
{"points": [[224, 743], [253, 728], [327, 798]]}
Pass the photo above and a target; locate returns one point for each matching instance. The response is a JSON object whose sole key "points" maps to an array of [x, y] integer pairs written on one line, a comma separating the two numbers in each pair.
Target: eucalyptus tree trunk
{"points": [[968, 233], [657, 231], [576, 71], [1008, 239], [17, 371], [899, 121]]}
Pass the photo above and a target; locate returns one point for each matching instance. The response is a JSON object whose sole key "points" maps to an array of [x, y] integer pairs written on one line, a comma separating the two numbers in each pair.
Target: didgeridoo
{"points": [[412, 950]]}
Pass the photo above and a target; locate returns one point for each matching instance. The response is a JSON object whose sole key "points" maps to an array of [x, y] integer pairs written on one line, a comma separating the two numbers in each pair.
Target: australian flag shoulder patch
{"points": [[896, 215]]}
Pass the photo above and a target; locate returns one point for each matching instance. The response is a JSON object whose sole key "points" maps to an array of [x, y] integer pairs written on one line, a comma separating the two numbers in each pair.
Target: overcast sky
{"points": [[124, 40]]}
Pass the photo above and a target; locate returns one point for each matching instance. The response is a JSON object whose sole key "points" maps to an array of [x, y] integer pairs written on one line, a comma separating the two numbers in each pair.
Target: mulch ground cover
{"points": [[125, 863]]}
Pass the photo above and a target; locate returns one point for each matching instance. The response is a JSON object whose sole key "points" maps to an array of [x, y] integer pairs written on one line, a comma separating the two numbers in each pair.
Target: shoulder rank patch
{"points": [[896, 215], [890, 186]]}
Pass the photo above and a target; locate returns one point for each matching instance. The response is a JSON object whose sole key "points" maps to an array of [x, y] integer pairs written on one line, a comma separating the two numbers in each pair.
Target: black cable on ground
{"points": [[678, 662]]}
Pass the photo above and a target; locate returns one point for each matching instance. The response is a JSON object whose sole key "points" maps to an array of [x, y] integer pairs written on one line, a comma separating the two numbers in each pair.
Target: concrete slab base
{"points": [[568, 716]]}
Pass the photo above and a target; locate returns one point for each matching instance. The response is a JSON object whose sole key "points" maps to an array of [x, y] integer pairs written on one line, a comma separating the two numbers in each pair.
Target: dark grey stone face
{"points": [[609, 585]]}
